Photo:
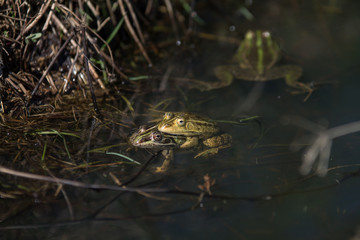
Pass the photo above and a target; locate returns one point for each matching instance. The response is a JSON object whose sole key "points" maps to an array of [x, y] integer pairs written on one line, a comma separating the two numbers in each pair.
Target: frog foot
{"points": [[161, 169], [201, 85], [169, 155], [303, 88], [207, 153]]}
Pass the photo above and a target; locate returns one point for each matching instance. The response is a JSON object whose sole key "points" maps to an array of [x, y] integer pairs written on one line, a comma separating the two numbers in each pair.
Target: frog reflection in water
{"points": [[255, 60], [193, 128]]}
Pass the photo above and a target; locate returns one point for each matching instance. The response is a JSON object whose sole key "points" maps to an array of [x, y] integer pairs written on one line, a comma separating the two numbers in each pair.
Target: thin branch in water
{"points": [[320, 143], [251, 99], [67, 200], [79, 184], [115, 187]]}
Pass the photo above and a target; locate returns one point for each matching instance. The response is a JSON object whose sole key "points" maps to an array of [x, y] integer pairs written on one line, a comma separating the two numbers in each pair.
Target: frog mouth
{"points": [[142, 140], [163, 127], [138, 142]]}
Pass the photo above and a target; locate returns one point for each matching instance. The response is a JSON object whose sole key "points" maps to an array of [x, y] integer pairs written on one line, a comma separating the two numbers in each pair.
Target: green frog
{"points": [[255, 60], [181, 131], [146, 137], [152, 138], [194, 128]]}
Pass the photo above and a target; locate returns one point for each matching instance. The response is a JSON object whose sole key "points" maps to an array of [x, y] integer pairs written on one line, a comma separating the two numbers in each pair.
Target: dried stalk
{"points": [[50, 65], [132, 32], [42, 10], [136, 23]]}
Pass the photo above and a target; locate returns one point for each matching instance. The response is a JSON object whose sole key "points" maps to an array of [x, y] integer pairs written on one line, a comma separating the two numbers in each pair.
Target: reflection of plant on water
{"points": [[318, 143]]}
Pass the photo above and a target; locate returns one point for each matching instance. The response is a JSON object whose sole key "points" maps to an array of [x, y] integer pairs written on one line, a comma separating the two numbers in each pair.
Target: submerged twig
{"points": [[67, 200], [251, 98], [79, 184], [320, 143], [122, 188]]}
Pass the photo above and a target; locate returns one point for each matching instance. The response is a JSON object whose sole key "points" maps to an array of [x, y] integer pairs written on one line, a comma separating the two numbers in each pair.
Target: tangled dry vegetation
{"points": [[53, 50], [64, 65]]}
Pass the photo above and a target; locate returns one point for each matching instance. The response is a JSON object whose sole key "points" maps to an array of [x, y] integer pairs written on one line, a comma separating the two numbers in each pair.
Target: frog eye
{"points": [[249, 35], [180, 122], [266, 34], [155, 136]]}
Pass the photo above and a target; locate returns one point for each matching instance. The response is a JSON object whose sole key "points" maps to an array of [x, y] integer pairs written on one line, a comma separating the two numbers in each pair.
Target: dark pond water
{"points": [[321, 36]]}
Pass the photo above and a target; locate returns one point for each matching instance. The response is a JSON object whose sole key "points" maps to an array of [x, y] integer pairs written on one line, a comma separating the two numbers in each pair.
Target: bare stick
{"points": [[172, 18], [77, 183], [48, 18], [43, 9], [148, 7], [86, 63], [111, 13], [132, 32], [137, 25]]}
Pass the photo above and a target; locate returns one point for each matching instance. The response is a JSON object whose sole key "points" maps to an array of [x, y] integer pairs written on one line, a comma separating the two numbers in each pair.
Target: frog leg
{"points": [[169, 156], [215, 144], [291, 73], [224, 74], [247, 74], [190, 142]]}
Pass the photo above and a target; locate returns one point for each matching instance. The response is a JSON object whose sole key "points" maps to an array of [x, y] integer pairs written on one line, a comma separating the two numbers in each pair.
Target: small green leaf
{"points": [[123, 156], [138, 78], [113, 33], [33, 37]]}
